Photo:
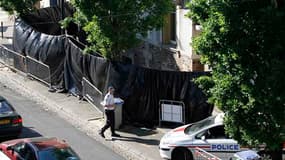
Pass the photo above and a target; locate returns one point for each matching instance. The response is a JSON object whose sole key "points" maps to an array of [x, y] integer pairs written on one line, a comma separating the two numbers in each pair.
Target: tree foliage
{"points": [[113, 25], [18, 6], [243, 41]]}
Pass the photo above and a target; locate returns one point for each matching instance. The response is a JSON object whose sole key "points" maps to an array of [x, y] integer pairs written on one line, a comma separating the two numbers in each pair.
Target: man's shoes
{"points": [[52, 90], [115, 135], [102, 134]]}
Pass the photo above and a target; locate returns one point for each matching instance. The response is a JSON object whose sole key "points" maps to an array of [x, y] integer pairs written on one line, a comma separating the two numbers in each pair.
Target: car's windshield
{"points": [[58, 154], [199, 125], [5, 107]]}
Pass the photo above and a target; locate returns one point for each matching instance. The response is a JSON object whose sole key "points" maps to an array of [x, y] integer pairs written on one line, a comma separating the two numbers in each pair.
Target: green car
{"points": [[11, 122]]}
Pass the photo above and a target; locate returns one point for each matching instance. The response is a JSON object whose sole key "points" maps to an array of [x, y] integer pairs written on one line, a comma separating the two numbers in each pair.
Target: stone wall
{"points": [[162, 58]]}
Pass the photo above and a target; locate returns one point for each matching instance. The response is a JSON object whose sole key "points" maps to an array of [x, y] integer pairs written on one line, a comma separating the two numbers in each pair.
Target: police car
{"points": [[208, 135]]}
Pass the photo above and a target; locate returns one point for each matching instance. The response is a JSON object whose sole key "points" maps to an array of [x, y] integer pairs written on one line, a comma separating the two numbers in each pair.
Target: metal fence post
{"points": [[2, 30]]}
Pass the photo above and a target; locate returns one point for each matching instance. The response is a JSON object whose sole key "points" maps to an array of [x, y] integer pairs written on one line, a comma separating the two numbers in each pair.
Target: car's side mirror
{"points": [[10, 148], [203, 138]]}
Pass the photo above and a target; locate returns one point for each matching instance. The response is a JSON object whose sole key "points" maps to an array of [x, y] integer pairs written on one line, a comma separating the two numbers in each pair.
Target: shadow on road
{"points": [[28, 132], [153, 142], [138, 131]]}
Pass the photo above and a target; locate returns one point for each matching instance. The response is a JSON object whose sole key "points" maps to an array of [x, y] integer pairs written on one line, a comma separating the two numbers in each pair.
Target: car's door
{"points": [[9, 152], [215, 141], [12, 151], [24, 151]]}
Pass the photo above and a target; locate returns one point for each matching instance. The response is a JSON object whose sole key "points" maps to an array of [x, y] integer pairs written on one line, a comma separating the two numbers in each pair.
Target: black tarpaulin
{"points": [[78, 65], [46, 20], [73, 68], [45, 48], [96, 71], [38, 35], [142, 89]]}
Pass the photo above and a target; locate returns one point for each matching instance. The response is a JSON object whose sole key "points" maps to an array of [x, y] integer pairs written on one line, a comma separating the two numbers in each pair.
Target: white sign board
{"points": [[171, 113]]}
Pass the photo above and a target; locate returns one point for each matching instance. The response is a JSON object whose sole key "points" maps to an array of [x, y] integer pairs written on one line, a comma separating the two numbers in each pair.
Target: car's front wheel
{"points": [[181, 154]]}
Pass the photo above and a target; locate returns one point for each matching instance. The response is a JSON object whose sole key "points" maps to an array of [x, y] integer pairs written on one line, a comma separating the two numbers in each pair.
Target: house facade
{"points": [[170, 48]]}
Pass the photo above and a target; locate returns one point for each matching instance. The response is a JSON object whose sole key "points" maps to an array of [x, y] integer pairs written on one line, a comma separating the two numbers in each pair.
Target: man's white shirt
{"points": [[109, 100]]}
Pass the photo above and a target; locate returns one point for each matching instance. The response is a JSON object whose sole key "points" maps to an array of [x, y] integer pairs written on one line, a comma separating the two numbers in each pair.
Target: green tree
{"points": [[112, 26], [243, 41], [18, 6]]}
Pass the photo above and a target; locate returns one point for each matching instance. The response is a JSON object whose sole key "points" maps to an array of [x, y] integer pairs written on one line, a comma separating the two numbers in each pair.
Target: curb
{"points": [[13, 81]]}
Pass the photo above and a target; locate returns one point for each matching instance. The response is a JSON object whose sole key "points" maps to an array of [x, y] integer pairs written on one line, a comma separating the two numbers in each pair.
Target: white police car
{"points": [[208, 134]]}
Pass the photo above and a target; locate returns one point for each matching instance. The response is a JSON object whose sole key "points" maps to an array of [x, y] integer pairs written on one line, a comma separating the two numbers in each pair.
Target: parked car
{"points": [[10, 121], [38, 149], [186, 142]]}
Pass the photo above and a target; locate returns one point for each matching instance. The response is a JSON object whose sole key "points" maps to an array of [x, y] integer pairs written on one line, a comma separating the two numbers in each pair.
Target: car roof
{"points": [[40, 143], [46, 143]]}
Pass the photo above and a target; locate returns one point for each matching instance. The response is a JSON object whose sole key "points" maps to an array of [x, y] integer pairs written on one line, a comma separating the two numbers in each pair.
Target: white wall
{"points": [[183, 32], [45, 3]]}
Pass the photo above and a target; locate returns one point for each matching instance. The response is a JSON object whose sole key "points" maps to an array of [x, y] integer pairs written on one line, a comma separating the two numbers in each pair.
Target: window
{"points": [[58, 154], [173, 27], [25, 151], [169, 29], [217, 132], [5, 107], [199, 125]]}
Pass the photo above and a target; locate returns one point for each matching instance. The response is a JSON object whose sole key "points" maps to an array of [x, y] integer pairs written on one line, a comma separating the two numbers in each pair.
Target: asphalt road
{"points": [[41, 122]]}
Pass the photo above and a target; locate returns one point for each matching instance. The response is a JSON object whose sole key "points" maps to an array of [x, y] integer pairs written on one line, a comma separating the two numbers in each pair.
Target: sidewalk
{"points": [[8, 23], [135, 143]]}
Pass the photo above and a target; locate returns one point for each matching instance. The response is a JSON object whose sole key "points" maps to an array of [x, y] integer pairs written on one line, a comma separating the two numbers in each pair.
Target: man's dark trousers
{"points": [[110, 122]]}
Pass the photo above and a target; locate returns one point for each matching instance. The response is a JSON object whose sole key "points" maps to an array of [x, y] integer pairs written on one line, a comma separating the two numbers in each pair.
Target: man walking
{"points": [[109, 108]]}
